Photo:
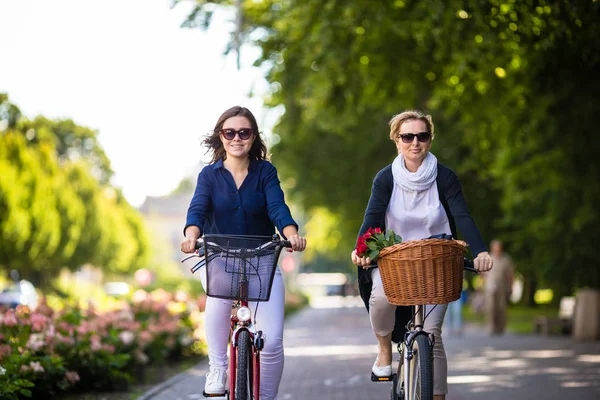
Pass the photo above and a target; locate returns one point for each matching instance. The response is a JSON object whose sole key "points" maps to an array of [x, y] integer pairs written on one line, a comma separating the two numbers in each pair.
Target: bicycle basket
{"points": [[240, 267], [428, 271]]}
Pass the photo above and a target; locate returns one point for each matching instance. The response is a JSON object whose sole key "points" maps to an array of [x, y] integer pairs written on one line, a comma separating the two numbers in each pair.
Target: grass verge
{"points": [[519, 319]]}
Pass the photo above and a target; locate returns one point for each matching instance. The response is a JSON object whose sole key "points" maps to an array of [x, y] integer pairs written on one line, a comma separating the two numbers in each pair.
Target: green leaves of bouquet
{"points": [[374, 240]]}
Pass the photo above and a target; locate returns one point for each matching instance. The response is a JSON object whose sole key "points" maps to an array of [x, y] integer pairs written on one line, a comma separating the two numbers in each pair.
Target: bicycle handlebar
{"points": [[274, 245], [283, 243], [469, 265]]}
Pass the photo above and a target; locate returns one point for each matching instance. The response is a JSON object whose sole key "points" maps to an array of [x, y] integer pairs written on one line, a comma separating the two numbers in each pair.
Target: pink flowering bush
{"points": [[45, 351]]}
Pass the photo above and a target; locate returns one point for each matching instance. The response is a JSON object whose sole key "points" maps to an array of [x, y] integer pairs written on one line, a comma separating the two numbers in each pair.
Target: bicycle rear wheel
{"points": [[243, 387], [420, 385]]}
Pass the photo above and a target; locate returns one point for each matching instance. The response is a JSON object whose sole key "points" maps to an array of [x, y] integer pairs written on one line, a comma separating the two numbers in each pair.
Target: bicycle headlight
{"points": [[244, 314]]}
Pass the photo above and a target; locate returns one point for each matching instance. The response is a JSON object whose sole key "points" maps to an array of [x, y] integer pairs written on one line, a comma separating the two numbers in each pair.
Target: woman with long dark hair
{"points": [[239, 193]]}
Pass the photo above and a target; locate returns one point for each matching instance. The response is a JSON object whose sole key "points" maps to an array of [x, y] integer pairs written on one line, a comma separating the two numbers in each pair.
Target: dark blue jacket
{"points": [[454, 204]]}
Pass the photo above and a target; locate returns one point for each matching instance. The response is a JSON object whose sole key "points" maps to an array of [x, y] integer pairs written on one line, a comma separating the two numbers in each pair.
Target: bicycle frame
{"points": [[237, 326], [405, 348], [254, 342], [257, 342], [406, 373], [404, 379]]}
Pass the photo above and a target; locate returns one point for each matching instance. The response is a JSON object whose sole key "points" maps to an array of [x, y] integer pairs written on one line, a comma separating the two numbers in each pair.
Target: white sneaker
{"points": [[216, 381], [381, 371]]}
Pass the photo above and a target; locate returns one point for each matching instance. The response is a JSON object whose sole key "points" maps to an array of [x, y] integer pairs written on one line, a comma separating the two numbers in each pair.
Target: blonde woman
{"points": [[416, 197]]}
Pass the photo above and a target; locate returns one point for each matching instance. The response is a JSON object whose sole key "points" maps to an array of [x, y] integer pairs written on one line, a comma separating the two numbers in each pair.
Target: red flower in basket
{"points": [[374, 240]]}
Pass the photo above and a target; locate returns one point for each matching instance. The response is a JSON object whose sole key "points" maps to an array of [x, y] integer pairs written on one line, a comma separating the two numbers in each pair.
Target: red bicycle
{"points": [[240, 268]]}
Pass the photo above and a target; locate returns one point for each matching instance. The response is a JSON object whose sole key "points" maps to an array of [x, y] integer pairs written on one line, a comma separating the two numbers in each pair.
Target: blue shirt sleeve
{"points": [[279, 212], [200, 203]]}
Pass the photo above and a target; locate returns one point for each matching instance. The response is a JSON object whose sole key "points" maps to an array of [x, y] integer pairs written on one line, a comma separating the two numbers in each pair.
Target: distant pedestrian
{"points": [[498, 288]]}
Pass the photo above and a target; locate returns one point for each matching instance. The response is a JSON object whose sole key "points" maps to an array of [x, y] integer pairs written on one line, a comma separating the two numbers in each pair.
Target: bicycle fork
{"points": [[256, 344], [407, 353]]}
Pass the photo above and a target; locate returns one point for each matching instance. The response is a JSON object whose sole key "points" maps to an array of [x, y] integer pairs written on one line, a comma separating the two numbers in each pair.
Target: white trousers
{"points": [[269, 319], [382, 316]]}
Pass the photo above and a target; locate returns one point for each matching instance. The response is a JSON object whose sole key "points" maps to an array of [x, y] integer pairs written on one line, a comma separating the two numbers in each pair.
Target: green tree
{"points": [[56, 210], [511, 85], [9, 113], [30, 219], [71, 142]]}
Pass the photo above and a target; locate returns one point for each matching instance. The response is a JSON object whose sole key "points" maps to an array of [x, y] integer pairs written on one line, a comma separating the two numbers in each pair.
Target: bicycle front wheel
{"points": [[243, 385], [420, 386]]}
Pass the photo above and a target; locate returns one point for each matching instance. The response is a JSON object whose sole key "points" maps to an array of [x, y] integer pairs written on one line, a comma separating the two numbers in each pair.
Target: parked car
{"points": [[19, 293]]}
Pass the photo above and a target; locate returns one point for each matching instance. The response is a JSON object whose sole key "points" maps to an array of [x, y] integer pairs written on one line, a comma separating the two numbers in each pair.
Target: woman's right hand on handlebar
{"points": [[188, 245], [364, 262]]}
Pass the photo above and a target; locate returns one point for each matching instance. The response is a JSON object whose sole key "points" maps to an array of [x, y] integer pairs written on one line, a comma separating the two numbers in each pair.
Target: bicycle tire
{"points": [[394, 389], [243, 385], [422, 369]]}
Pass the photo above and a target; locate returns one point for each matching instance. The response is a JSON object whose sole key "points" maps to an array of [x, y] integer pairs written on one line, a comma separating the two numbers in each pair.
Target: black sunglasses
{"points": [[409, 137], [243, 133]]}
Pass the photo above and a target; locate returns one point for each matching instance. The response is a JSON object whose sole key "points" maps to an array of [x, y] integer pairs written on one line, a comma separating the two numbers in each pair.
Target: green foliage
{"points": [[14, 389], [70, 142], [519, 319], [56, 208], [9, 113], [512, 87]]}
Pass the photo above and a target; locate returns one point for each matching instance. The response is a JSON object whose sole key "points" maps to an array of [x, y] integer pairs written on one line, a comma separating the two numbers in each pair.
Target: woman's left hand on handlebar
{"points": [[483, 262], [298, 242]]}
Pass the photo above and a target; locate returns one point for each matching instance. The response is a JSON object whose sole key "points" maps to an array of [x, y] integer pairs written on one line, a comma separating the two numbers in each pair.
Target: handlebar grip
{"points": [[200, 247], [286, 243], [469, 265]]}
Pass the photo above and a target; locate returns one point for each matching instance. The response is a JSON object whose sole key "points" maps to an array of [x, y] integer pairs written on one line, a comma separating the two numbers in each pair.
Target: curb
{"points": [[157, 389]]}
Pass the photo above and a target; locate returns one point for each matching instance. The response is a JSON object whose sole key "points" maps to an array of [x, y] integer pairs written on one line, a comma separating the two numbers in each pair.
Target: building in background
{"points": [[165, 217]]}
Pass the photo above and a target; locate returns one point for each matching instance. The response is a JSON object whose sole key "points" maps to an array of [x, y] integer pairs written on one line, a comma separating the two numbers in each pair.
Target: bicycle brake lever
{"points": [[189, 257]]}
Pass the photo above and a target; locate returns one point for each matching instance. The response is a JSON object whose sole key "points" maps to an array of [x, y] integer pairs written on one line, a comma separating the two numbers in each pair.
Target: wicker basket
{"points": [[428, 271]]}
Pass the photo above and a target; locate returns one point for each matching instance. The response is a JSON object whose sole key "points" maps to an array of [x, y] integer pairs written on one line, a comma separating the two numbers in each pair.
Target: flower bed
{"points": [[45, 351]]}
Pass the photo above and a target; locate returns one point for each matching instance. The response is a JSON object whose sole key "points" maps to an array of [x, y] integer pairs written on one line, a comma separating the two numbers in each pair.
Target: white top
{"points": [[416, 215]]}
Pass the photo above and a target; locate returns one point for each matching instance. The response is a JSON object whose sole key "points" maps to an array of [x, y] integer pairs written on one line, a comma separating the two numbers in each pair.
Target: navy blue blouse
{"points": [[256, 208]]}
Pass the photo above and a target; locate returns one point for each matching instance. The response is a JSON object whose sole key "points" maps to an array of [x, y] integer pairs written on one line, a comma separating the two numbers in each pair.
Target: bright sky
{"points": [[127, 69]]}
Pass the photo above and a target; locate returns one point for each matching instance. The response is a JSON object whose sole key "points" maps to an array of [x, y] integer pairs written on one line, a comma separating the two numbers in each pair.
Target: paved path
{"points": [[329, 353]]}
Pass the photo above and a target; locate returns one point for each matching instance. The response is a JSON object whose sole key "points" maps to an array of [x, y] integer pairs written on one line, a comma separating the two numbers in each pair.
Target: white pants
{"points": [[382, 316], [269, 319]]}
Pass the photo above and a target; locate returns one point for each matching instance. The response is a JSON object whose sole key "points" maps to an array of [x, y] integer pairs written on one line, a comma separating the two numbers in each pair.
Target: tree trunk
{"points": [[529, 288]]}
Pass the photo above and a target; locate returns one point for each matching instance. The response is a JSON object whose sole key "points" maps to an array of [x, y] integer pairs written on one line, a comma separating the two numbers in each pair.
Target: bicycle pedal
{"points": [[222, 395], [375, 378]]}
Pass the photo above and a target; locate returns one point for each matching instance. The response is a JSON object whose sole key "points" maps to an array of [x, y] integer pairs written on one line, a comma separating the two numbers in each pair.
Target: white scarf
{"points": [[415, 181]]}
